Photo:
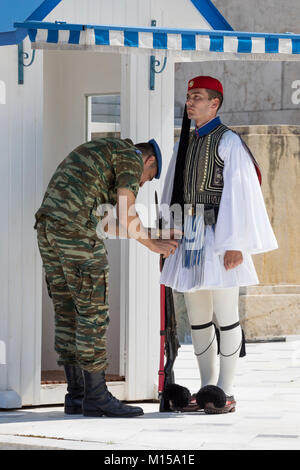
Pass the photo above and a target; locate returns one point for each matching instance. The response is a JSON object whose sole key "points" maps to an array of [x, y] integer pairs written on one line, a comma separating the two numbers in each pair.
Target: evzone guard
{"points": [[215, 181]]}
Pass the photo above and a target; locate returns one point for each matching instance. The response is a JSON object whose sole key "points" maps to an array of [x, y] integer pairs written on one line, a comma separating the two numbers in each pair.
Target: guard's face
{"points": [[198, 105], [150, 170]]}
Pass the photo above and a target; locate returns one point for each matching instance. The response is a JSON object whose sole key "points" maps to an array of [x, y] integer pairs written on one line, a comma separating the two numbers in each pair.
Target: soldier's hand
{"points": [[232, 259], [164, 247]]}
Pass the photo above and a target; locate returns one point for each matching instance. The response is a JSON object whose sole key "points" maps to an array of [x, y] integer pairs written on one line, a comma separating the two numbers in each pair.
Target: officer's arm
{"points": [[130, 225], [127, 224]]}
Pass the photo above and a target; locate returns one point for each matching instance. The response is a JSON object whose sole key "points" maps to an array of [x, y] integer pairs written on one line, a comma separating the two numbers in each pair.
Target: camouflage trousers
{"points": [[76, 269]]}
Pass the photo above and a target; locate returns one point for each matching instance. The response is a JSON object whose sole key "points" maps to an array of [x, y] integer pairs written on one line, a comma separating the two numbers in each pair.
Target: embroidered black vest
{"points": [[203, 172], [199, 169]]}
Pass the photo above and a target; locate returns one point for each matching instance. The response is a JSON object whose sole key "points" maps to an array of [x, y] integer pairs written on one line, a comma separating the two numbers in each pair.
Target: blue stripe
{"points": [[74, 37], [216, 44], [160, 38], [211, 14], [160, 41], [56, 25], [296, 46], [21, 9], [205, 32], [102, 37], [131, 38], [245, 44], [188, 42], [52, 36], [271, 45], [43, 10], [32, 34]]}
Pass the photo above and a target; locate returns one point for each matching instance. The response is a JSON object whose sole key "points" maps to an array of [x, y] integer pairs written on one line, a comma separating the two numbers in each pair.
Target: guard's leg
{"points": [[226, 307], [65, 321], [85, 268], [200, 311], [92, 322], [65, 310], [92, 319]]}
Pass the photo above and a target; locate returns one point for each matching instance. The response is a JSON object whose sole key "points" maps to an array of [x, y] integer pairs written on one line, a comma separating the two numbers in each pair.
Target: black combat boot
{"points": [[74, 397], [98, 401]]}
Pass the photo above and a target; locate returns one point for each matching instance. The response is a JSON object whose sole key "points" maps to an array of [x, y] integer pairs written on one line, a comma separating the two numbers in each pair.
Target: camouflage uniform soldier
{"points": [[75, 259]]}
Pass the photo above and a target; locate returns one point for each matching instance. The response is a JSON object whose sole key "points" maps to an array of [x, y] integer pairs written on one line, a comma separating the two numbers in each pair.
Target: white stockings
{"points": [[222, 304]]}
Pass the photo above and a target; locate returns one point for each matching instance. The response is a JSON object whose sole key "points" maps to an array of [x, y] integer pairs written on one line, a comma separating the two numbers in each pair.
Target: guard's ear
{"points": [[214, 103], [150, 160]]}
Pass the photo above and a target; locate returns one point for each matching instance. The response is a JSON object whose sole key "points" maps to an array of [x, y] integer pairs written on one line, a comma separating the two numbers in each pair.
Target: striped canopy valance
{"points": [[186, 44]]}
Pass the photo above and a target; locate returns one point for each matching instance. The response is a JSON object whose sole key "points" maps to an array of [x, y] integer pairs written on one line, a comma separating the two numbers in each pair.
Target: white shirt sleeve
{"points": [[243, 223]]}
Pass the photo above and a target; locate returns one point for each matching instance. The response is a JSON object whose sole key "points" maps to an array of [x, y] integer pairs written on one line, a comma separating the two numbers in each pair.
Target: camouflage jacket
{"points": [[89, 176]]}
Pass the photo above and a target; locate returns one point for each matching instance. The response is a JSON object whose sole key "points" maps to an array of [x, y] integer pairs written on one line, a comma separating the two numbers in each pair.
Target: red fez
{"points": [[209, 83]]}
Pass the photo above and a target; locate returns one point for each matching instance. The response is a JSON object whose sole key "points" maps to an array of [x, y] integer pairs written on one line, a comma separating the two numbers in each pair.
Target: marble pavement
{"points": [[267, 415]]}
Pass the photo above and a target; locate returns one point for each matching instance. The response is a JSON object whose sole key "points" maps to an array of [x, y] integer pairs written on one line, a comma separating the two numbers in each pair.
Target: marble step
{"points": [[270, 311], [270, 289]]}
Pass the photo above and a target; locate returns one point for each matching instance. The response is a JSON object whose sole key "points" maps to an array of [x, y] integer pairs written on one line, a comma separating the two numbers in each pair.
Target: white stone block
{"points": [[269, 311]]}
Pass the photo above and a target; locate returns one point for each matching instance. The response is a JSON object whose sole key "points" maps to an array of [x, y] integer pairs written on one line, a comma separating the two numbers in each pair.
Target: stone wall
{"points": [[255, 92], [270, 311], [269, 16], [277, 149]]}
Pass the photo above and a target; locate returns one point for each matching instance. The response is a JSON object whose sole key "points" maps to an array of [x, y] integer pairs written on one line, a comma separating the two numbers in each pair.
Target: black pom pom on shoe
{"points": [[211, 394], [178, 396]]}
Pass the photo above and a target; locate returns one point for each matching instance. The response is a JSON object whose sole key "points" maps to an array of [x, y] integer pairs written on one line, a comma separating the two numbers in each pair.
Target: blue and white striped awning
{"points": [[185, 44]]}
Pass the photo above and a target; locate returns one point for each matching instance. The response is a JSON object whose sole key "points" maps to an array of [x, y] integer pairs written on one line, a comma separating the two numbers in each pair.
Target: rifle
{"points": [[169, 343]]}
